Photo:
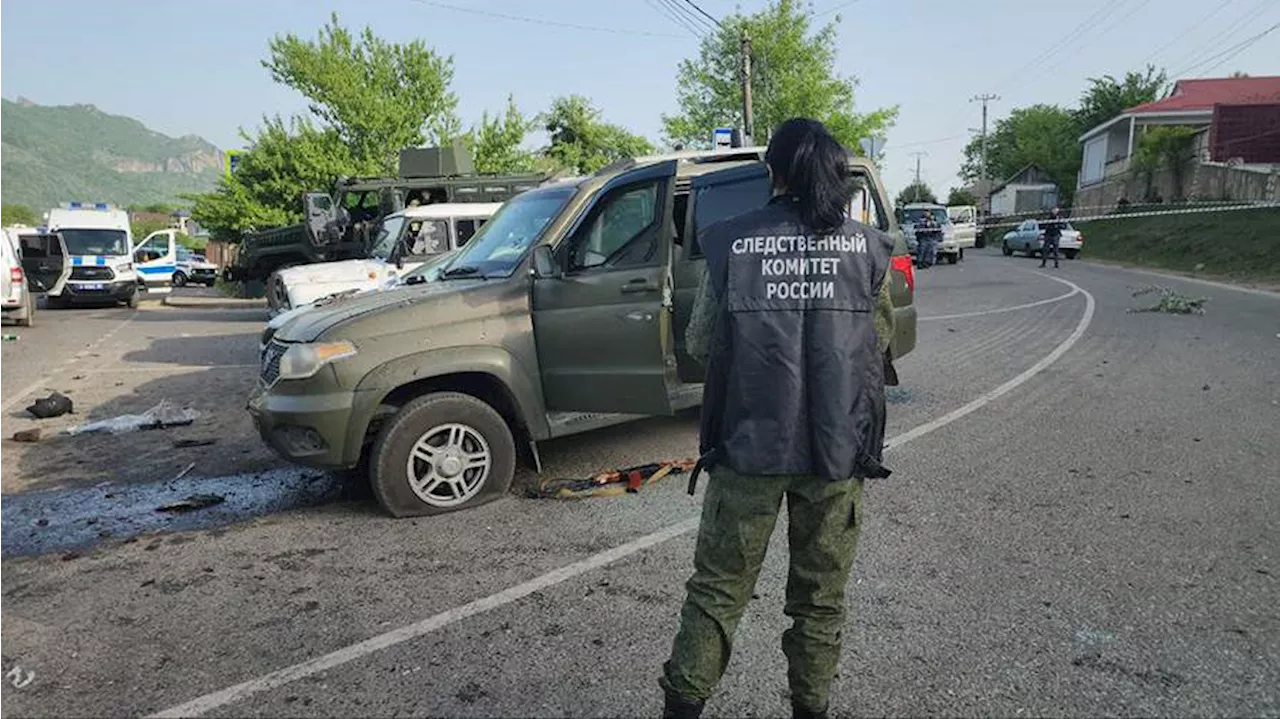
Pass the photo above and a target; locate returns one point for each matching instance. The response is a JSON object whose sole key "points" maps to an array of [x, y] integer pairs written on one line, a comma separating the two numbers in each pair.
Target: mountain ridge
{"points": [[55, 153]]}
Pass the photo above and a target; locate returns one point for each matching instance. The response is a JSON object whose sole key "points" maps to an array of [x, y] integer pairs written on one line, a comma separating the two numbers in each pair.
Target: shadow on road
{"points": [[201, 351]]}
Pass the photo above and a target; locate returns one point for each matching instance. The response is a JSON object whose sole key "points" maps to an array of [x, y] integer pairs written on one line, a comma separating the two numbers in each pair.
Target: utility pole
{"points": [[748, 127], [918, 155], [984, 181]]}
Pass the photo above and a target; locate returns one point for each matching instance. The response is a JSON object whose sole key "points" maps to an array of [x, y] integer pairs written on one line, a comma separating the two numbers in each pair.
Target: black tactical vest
{"points": [[795, 381]]}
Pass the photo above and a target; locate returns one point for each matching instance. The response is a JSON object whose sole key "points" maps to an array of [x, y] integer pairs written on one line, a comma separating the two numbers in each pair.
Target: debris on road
{"points": [[186, 443], [192, 503], [184, 471], [161, 416], [611, 483], [27, 435], [10, 338], [1171, 302], [55, 405]]}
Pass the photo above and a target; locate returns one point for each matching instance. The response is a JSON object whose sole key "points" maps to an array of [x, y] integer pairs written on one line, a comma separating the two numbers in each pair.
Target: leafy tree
{"points": [[379, 97], [283, 162], [581, 141], [496, 143], [915, 192], [1046, 135], [371, 99], [1172, 147], [961, 196], [1107, 97], [143, 227], [793, 74], [18, 215]]}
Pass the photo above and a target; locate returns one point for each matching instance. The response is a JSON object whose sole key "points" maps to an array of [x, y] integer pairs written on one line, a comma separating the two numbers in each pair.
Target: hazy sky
{"points": [[190, 66]]}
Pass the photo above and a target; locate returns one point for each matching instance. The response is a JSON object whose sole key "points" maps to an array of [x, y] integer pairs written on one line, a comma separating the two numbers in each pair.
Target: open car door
{"points": [[156, 257], [713, 197], [45, 261], [603, 320], [320, 213]]}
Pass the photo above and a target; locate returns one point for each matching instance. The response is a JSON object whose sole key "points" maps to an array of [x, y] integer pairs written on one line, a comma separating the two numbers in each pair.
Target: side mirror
{"points": [[544, 263]]}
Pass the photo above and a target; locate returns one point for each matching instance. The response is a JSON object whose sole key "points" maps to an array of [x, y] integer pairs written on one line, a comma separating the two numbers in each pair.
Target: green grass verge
{"points": [[1237, 245]]}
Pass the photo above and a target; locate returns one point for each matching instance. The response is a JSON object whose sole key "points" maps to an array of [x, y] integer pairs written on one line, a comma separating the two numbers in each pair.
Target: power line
{"points": [[550, 23], [690, 19], [1234, 50], [830, 10], [1196, 57], [702, 12], [1187, 31], [922, 143], [673, 16], [1106, 8], [1055, 60]]}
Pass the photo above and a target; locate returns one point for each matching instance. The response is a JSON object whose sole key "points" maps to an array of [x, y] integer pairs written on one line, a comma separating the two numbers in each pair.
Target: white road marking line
{"points": [[1000, 310], [992, 395], [48, 377], [280, 677], [208, 702]]}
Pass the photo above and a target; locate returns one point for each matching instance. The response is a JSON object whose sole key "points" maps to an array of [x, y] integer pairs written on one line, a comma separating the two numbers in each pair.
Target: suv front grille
{"points": [[92, 273], [271, 355]]}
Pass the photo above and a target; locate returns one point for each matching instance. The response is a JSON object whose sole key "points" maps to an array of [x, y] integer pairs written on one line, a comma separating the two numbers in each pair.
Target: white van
{"points": [[404, 241], [35, 261], [100, 243]]}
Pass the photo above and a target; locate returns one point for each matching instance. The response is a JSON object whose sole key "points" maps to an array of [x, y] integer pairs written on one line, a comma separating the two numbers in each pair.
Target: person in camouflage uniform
{"points": [[739, 515]]}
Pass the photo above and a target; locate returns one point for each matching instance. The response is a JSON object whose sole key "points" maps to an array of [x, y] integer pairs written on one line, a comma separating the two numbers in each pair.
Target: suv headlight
{"points": [[125, 267], [301, 361]]}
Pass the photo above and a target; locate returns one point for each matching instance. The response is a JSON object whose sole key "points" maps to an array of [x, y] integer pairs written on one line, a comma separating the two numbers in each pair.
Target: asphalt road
{"points": [[1080, 523]]}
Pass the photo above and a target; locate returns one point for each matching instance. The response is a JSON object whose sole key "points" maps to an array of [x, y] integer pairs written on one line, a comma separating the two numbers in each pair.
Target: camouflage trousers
{"points": [[738, 518]]}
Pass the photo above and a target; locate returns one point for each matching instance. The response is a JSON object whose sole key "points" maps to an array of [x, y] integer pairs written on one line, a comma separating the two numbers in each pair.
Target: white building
{"points": [[1030, 190]]}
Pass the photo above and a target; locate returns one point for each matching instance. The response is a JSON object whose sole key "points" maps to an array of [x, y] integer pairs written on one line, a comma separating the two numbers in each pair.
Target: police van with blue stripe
{"points": [[100, 245]]}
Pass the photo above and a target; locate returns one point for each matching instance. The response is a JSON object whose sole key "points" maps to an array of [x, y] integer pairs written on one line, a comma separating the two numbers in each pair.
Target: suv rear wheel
{"points": [[440, 453]]}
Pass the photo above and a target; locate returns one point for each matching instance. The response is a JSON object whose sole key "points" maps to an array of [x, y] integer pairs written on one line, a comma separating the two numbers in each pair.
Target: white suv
{"points": [[949, 248]]}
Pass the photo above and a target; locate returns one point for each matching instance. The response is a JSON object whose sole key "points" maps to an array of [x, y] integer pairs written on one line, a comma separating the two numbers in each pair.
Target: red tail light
{"points": [[15, 275], [902, 263], [1080, 237]]}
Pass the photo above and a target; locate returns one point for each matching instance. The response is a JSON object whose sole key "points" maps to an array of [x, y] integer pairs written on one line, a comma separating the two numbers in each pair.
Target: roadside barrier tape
{"points": [[1127, 215]]}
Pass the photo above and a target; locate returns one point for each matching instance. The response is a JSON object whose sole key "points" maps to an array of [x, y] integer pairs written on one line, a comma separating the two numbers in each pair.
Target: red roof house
{"points": [[1249, 102]]}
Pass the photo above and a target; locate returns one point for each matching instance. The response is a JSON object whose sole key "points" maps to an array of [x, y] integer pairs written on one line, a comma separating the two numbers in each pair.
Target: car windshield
{"points": [[917, 214], [184, 255], [95, 242], [385, 240], [500, 245], [429, 270]]}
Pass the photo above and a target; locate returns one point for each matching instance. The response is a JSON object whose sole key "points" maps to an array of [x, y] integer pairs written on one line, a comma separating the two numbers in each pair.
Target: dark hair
{"points": [[811, 165]]}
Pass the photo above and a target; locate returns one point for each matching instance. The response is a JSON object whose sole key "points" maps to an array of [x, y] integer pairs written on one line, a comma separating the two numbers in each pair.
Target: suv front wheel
{"points": [[440, 453]]}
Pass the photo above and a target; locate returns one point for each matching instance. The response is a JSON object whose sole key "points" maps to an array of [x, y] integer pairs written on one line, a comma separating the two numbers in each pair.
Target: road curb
{"points": [[1263, 289], [214, 303]]}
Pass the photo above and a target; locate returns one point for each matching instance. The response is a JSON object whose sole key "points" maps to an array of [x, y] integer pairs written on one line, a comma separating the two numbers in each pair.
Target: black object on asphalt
{"points": [[55, 405]]}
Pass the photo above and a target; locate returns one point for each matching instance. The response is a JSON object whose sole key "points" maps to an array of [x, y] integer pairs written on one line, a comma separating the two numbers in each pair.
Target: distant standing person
{"points": [[1052, 237], [927, 234], [793, 412]]}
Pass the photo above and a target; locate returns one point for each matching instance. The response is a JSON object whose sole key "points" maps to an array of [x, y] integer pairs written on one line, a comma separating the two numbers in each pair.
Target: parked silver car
{"points": [[1028, 237]]}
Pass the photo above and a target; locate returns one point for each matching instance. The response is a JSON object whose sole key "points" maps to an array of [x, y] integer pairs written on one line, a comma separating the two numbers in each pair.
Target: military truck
{"points": [[565, 313], [339, 225]]}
